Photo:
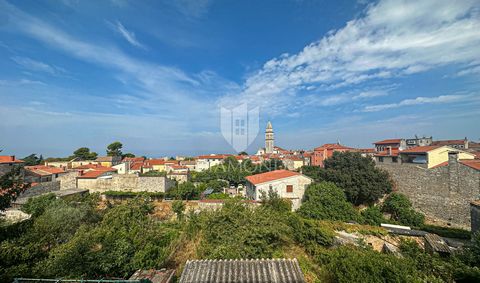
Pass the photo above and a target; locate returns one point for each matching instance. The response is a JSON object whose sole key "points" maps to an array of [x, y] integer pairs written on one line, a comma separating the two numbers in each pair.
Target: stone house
{"points": [[42, 173], [8, 162], [287, 184], [109, 161]]}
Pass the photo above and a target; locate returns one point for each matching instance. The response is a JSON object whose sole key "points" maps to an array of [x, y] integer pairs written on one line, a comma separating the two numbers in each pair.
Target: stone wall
{"points": [[475, 215], [67, 180], [41, 188], [442, 193], [127, 183]]}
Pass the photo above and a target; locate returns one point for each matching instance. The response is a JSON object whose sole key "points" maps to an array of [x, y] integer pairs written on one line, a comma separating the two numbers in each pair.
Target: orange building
{"points": [[325, 151]]}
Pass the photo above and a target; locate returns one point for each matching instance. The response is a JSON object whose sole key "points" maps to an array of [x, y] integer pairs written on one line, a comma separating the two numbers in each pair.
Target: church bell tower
{"points": [[269, 138]]}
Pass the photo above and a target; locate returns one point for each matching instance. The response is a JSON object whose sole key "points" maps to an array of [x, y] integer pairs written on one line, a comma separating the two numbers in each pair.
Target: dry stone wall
{"points": [[126, 183], [442, 193]]}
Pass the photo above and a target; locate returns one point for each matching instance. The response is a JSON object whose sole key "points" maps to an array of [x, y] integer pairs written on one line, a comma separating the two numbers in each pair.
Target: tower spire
{"points": [[269, 138]]}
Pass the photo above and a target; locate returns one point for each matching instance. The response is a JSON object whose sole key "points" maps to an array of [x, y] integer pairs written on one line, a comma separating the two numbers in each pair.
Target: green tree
{"points": [[273, 201], [400, 207], [84, 153], [178, 207], [372, 215], [114, 149], [36, 205], [129, 155], [32, 160], [362, 182], [326, 201], [11, 186]]}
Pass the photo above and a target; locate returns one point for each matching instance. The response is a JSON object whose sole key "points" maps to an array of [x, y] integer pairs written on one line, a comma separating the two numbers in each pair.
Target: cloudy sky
{"points": [[154, 74]]}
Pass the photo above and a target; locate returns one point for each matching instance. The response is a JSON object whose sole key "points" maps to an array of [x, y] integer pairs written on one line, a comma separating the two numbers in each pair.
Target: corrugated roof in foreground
{"points": [[243, 270]]}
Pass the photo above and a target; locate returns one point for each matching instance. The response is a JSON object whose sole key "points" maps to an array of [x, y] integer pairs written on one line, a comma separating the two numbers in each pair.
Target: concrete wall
{"points": [[442, 193], [131, 183]]}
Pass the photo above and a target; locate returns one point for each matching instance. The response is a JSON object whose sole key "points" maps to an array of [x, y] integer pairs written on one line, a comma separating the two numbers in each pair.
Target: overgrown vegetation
{"points": [[76, 239], [400, 207]]}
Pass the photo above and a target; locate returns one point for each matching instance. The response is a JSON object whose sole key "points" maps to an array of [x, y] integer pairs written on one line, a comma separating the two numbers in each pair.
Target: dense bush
{"points": [[351, 264], [372, 215], [448, 232], [362, 182], [400, 207], [326, 201]]}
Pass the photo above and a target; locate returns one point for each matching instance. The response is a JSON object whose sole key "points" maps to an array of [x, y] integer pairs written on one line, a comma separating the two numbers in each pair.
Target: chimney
{"points": [[390, 150], [452, 157], [80, 172], [12, 157]]}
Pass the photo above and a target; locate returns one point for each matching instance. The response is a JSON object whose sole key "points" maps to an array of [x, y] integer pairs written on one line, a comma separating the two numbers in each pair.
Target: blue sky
{"points": [[154, 74]]}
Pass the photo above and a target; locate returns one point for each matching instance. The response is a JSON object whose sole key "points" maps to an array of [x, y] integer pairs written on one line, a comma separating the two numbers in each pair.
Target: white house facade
{"points": [[287, 184]]}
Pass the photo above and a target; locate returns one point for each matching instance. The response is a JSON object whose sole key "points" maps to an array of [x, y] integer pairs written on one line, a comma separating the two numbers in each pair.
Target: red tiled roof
{"points": [[95, 174], [472, 163], [156, 161], [133, 159], [136, 165], [88, 166], [448, 142], [44, 170], [421, 149], [389, 141], [9, 159], [328, 146], [271, 176]]}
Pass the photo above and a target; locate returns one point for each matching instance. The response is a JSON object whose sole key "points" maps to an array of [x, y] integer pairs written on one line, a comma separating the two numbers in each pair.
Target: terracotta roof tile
{"points": [[332, 146], [44, 170], [421, 149], [271, 176], [388, 141], [472, 163], [9, 159]]}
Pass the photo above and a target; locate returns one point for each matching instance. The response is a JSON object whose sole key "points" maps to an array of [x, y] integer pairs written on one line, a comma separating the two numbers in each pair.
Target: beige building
{"points": [[109, 161], [432, 156], [287, 184]]}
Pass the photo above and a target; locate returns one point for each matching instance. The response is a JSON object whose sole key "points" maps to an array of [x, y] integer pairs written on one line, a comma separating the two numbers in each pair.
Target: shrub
{"points": [[373, 216], [350, 264], [326, 201], [401, 210], [37, 205], [448, 232], [310, 233]]}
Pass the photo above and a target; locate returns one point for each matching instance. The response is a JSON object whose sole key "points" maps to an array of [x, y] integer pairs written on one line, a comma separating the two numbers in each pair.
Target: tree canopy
{"points": [[11, 186], [361, 181], [115, 149], [84, 153]]}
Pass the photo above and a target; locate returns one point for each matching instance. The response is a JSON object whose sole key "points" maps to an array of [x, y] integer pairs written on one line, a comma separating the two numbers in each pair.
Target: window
{"points": [[395, 159], [380, 159], [270, 187], [289, 188]]}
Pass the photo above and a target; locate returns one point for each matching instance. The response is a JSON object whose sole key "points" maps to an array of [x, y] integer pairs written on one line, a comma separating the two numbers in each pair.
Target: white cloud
{"points": [[469, 71], [128, 35], [391, 38], [34, 65], [21, 82], [419, 100]]}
